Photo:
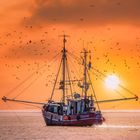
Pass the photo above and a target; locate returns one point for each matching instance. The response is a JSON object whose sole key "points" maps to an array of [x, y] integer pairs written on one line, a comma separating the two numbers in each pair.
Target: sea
{"points": [[29, 125]]}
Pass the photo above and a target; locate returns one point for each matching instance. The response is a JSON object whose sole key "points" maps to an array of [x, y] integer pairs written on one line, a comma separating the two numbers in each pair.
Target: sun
{"points": [[112, 82]]}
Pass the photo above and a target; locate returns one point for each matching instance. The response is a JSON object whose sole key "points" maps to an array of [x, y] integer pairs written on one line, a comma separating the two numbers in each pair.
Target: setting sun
{"points": [[112, 82]]}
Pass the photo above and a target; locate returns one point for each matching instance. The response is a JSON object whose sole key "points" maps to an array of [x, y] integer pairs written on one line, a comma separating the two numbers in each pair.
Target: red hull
{"points": [[72, 120]]}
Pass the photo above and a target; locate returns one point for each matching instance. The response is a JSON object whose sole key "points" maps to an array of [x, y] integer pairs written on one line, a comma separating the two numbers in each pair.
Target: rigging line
{"points": [[66, 87], [12, 90], [126, 89], [27, 78], [74, 74], [78, 61], [74, 66], [56, 79], [90, 89], [96, 75], [54, 58], [120, 93], [73, 51], [118, 84], [93, 89], [75, 57], [69, 76], [26, 87]]}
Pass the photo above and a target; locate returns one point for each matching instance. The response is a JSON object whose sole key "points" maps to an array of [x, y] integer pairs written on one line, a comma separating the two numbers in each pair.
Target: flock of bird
{"points": [[32, 53]]}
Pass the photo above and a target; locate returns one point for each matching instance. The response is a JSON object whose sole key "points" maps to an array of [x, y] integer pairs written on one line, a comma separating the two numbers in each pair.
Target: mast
{"points": [[85, 73], [64, 58]]}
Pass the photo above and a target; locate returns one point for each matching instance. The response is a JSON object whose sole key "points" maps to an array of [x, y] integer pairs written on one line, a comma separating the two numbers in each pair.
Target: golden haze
{"points": [[29, 39]]}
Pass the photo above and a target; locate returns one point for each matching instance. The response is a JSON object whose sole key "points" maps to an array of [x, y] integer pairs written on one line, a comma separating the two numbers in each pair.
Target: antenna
{"points": [[64, 39]]}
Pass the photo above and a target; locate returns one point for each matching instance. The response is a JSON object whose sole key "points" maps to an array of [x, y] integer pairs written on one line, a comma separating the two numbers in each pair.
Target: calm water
{"points": [[31, 126]]}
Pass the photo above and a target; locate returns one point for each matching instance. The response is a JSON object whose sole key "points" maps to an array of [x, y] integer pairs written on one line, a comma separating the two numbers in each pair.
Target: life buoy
{"points": [[65, 117]]}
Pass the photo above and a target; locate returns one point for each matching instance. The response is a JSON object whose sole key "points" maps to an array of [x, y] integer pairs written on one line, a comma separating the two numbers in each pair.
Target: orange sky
{"points": [[29, 39]]}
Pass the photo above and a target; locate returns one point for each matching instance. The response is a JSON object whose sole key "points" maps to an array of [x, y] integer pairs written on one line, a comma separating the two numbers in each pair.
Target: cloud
{"points": [[85, 11]]}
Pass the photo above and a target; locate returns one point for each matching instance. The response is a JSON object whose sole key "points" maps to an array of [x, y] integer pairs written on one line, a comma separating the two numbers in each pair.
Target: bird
{"points": [[91, 5]]}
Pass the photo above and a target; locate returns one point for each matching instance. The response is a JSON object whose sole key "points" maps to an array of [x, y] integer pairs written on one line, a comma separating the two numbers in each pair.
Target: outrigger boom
{"points": [[115, 100], [5, 99]]}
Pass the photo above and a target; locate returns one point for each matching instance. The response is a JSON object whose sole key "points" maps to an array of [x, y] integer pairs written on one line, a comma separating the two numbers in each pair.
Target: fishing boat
{"points": [[78, 108]]}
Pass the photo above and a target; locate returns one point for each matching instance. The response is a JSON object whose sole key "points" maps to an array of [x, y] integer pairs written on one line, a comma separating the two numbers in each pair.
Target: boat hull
{"points": [[72, 120]]}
